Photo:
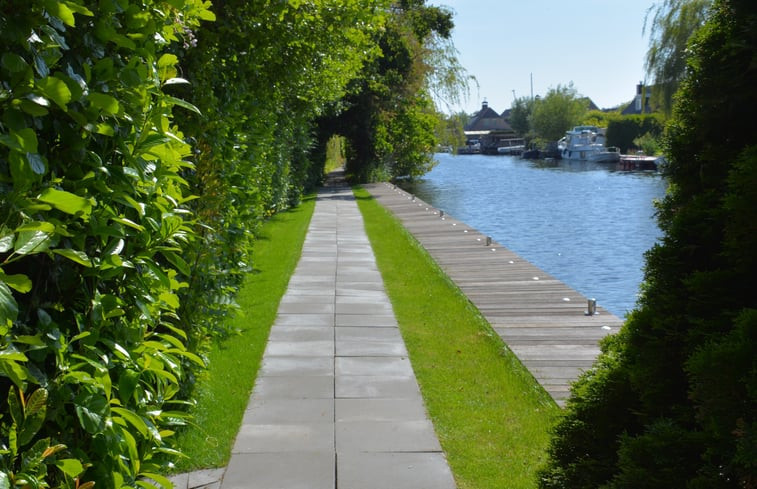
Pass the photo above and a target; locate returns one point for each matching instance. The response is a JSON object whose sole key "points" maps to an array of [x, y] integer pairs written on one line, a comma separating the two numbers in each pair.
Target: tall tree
{"points": [[389, 117], [520, 113], [670, 402], [557, 112], [671, 25]]}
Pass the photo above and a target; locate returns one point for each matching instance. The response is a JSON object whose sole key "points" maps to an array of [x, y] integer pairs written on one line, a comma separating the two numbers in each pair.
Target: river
{"points": [[584, 224]]}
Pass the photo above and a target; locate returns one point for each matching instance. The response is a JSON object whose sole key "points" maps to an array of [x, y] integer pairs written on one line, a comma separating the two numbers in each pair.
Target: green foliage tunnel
{"points": [[141, 142]]}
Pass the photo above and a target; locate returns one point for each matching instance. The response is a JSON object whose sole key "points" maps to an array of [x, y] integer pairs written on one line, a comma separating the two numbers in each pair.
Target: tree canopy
{"points": [[557, 112], [389, 117]]}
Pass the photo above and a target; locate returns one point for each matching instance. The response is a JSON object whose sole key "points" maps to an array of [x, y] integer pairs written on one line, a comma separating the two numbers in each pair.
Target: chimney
{"points": [[484, 104], [637, 100]]}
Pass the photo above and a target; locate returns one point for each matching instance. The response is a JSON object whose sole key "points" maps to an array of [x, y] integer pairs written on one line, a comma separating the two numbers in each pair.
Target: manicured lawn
{"points": [[223, 391], [491, 416]]}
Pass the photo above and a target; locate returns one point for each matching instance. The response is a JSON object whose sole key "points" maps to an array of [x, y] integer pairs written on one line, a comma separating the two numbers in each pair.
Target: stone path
{"points": [[336, 403]]}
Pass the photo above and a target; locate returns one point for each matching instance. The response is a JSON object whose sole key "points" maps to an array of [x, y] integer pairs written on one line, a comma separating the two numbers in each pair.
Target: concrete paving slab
{"points": [[268, 438], [393, 470], [360, 320], [314, 298], [310, 348], [379, 410], [357, 333], [378, 297], [355, 341], [372, 348], [344, 287], [370, 308], [301, 333], [205, 479], [305, 307], [386, 436], [342, 293], [373, 366], [284, 411], [288, 387], [353, 276], [295, 470], [304, 320], [376, 386], [296, 366]]}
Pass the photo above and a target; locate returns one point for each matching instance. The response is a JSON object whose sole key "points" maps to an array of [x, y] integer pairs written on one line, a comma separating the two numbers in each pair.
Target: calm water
{"points": [[583, 224]]}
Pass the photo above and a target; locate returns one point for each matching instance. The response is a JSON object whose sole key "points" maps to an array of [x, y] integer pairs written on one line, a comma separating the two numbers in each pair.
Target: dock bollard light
{"points": [[488, 241], [441, 213], [413, 197], [591, 307]]}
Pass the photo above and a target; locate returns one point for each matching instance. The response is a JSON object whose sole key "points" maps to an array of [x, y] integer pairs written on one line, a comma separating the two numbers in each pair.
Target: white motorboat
{"points": [[587, 143]]}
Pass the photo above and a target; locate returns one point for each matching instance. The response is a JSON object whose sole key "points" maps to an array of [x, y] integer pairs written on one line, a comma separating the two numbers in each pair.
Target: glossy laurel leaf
{"points": [[67, 202]]}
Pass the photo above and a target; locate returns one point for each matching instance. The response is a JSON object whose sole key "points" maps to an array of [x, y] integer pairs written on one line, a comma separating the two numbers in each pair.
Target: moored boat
{"points": [[512, 146], [587, 143]]}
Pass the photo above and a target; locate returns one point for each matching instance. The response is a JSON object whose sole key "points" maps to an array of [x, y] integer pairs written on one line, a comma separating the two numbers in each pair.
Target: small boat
{"points": [[640, 162], [513, 146], [587, 143]]}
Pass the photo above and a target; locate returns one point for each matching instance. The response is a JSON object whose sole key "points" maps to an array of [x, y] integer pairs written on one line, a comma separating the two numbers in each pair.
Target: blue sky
{"points": [[596, 44]]}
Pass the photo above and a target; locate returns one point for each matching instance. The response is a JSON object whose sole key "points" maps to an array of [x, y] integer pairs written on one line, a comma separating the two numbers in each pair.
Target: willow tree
{"points": [[671, 25], [670, 402]]}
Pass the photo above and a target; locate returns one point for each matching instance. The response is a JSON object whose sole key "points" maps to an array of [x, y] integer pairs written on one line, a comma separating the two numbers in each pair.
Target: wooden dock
{"points": [[542, 320]]}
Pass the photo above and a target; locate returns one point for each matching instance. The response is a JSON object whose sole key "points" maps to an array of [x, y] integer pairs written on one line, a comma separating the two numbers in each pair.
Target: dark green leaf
{"points": [[4, 480], [92, 411], [30, 242], [17, 281], [13, 63], [6, 242], [182, 103], [34, 109], [23, 140], [15, 406], [74, 255], [34, 416], [133, 419], [8, 305], [127, 384]]}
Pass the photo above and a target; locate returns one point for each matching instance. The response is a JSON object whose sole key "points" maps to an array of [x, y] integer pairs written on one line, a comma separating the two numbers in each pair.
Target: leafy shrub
{"points": [[94, 220]]}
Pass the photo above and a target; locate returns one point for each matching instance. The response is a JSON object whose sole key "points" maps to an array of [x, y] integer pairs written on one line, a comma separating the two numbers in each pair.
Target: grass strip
{"points": [[223, 391], [490, 414]]}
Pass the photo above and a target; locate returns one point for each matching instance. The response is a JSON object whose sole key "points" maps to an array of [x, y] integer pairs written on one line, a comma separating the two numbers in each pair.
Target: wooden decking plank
{"points": [[541, 319]]}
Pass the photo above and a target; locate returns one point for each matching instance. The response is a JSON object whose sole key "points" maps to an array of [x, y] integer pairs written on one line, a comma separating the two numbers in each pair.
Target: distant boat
{"points": [[640, 162], [513, 146], [587, 143]]}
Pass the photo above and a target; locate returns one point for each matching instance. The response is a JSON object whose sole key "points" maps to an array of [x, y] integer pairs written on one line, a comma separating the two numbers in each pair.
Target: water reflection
{"points": [[580, 222]]}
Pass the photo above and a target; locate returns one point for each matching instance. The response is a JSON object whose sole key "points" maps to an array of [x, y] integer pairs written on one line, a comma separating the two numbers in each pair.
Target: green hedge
{"points": [[128, 204], [622, 131], [94, 223]]}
